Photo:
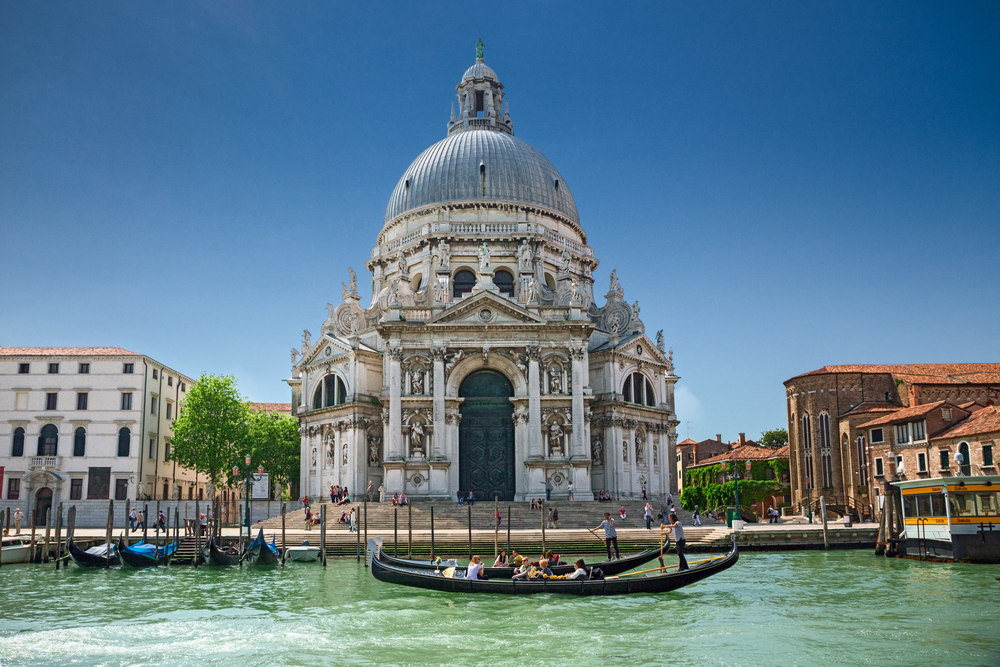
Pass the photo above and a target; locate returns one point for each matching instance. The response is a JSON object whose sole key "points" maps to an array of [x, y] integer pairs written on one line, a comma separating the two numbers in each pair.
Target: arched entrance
{"points": [[43, 502], [486, 436]]}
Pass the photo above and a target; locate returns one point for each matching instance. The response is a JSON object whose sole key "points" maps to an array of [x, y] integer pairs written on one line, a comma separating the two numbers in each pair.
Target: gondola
{"points": [[609, 567], [145, 554], [259, 552], [94, 556], [654, 582], [217, 556]]}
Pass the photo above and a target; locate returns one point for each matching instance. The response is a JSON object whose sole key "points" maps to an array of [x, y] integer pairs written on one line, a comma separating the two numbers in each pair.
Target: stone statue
{"points": [[531, 291], [314, 457], [344, 458], [453, 360], [401, 265], [670, 359], [624, 451], [520, 360], [524, 256], [614, 281], [394, 293], [574, 292], [614, 322], [330, 308], [640, 450], [555, 440], [659, 340], [656, 454], [444, 254], [555, 381], [635, 311], [295, 354], [440, 293], [306, 341], [480, 48], [484, 257], [597, 451], [416, 439], [564, 261], [374, 449], [588, 270], [417, 382]]}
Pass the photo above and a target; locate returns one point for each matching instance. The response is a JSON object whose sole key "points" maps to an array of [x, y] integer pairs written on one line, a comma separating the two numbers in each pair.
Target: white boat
{"points": [[952, 518], [16, 549], [303, 553]]}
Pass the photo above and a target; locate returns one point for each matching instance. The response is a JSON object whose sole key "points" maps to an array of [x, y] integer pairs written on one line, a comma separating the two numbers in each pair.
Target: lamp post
{"points": [[248, 477]]}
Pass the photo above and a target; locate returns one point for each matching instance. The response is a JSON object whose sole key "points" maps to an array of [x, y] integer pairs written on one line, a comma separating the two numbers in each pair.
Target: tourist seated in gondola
{"points": [[524, 571], [501, 560], [475, 569], [551, 557], [580, 572], [516, 559], [544, 569]]}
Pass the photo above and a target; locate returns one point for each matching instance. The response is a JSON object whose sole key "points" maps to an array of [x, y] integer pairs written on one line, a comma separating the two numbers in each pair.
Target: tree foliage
{"points": [[273, 442], [701, 486], [776, 437], [211, 427]]}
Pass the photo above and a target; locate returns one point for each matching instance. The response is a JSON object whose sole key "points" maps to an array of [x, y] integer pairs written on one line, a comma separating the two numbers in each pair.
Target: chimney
{"points": [[742, 439], [718, 438]]}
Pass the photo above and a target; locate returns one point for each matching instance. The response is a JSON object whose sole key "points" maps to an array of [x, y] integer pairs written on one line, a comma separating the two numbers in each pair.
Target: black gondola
{"points": [[144, 554], [95, 556], [217, 556], [259, 552], [609, 567], [658, 582]]}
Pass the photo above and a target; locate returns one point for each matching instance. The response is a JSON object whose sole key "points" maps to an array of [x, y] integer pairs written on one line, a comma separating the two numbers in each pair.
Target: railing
{"points": [[573, 245], [484, 228], [416, 314], [43, 462], [552, 313]]}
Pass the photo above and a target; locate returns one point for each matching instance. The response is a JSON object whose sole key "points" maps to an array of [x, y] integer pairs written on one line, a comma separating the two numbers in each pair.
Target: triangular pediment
{"points": [[486, 309], [649, 351], [327, 348]]}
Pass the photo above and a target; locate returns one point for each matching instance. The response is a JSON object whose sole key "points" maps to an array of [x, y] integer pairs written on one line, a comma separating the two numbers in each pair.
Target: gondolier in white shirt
{"points": [[610, 534], [677, 529]]}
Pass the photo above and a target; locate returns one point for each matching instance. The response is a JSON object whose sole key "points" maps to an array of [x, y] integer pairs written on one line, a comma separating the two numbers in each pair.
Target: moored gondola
{"points": [[609, 567], [259, 552], [144, 554], [94, 556], [217, 556], [657, 581]]}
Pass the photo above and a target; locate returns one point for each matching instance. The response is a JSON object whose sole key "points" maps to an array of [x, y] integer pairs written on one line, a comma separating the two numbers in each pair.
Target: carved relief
{"points": [[597, 451]]}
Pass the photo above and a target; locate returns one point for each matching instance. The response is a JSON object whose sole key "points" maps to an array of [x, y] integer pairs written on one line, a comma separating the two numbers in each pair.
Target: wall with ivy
{"points": [[701, 486]]}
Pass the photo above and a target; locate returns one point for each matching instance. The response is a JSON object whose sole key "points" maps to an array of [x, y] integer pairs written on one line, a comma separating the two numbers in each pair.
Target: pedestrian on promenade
{"points": [[161, 522], [496, 514], [140, 522], [697, 516], [644, 492], [677, 529], [370, 491], [352, 521], [649, 516], [309, 519], [305, 502], [670, 500], [569, 490], [333, 494], [131, 520], [381, 492], [548, 489], [553, 518], [18, 518], [610, 534]]}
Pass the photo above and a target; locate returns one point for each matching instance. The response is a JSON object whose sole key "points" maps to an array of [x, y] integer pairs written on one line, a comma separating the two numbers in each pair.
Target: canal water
{"points": [[800, 608]]}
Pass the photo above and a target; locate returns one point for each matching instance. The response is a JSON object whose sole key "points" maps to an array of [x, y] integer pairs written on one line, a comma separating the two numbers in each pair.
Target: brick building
{"points": [[690, 453], [835, 412], [748, 451]]}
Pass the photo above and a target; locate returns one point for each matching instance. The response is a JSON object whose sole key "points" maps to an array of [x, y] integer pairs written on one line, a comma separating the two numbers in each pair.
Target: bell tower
{"points": [[481, 102]]}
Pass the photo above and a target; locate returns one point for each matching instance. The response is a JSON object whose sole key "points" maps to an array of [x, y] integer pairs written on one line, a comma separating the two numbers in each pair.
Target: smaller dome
{"points": [[480, 71]]}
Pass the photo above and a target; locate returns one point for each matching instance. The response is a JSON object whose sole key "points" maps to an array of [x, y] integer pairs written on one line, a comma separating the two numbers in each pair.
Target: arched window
{"points": [[80, 442], [807, 451], [504, 282], [639, 390], [825, 452], [48, 440], [331, 391], [463, 283], [966, 467], [18, 447], [124, 441]]}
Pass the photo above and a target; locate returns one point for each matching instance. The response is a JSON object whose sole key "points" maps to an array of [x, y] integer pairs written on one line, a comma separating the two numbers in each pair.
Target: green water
{"points": [[804, 608]]}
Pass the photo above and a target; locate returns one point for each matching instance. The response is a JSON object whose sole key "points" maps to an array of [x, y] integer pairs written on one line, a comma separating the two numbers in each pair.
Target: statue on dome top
{"points": [[480, 47]]}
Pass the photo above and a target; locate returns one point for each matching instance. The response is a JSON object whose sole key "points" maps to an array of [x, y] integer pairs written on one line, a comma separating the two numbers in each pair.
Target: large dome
{"points": [[481, 165]]}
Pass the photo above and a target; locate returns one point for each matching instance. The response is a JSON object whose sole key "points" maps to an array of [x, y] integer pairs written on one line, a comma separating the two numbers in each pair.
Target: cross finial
{"points": [[480, 47]]}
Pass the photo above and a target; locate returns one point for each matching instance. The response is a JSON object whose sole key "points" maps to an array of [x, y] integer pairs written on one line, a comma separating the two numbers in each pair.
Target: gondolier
{"points": [[610, 534]]}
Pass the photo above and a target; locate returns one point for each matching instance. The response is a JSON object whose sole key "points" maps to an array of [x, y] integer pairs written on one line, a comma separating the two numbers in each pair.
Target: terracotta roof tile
{"points": [[982, 421], [746, 453], [66, 352], [872, 406], [922, 373], [905, 414], [285, 408], [687, 441]]}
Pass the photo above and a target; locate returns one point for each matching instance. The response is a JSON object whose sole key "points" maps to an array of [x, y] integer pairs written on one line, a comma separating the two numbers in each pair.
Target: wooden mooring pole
{"points": [[109, 525], [59, 535], [508, 531], [70, 525], [543, 526], [469, 507], [826, 533], [496, 528], [322, 533], [48, 529], [395, 531], [197, 531], [409, 530], [128, 510], [284, 544], [366, 522], [177, 531], [432, 530], [34, 547], [145, 522], [358, 533]]}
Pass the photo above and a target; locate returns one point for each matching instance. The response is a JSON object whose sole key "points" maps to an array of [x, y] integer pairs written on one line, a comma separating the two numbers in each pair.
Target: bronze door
{"points": [[486, 437]]}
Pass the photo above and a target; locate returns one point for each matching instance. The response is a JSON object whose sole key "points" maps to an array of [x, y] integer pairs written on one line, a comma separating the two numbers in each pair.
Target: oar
{"points": [[661, 546], [660, 569], [593, 531]]}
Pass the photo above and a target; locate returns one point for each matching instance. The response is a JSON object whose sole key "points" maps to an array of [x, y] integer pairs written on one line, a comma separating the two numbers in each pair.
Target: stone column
{"points": [[579, 447], [438, 410], [304, 460], [395, 404], [535, 449]]}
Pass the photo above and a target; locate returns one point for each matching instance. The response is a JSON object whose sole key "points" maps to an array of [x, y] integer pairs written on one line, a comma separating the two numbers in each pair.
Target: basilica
{"points": [[483, 362]]}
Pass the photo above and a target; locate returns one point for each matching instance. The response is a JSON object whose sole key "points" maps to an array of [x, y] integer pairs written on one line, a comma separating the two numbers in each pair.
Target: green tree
{"points": [[274, 443], [776, 437], [210, 432]]}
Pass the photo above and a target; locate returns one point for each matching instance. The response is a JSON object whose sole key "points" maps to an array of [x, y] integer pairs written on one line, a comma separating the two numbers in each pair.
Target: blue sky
{"points": [[780, 185]]}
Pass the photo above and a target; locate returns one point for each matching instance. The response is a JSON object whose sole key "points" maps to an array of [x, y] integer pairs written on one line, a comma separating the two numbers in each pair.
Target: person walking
{"points": [[610, 534], [461, 497], [305, 502], [333, 494], [670, 499], [649, 516], [161, 522], [381, 492], [677, 529], [496, 515], [697, 515], [132, 520], [554, 517], [140, 522], [18, 518], [644, 492], [569, 490], [309, 519]]}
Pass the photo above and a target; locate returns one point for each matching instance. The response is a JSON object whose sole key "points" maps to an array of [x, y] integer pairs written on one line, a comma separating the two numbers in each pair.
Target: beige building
{"points": [[88, 424]]}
